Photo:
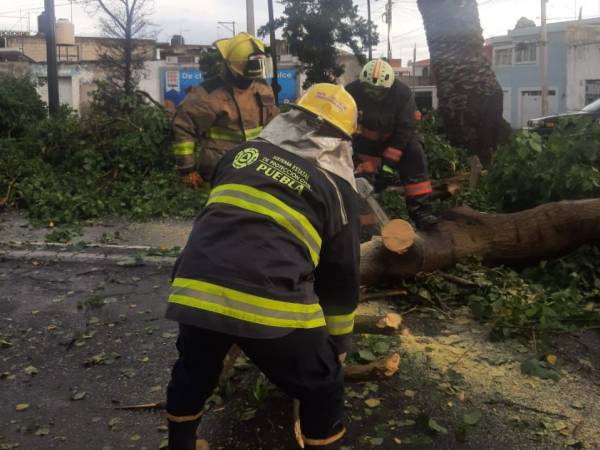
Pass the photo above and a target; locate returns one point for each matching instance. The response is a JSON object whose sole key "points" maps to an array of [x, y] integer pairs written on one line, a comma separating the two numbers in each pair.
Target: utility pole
{"points": [[229, 25], [544, 60], [51, 57], [274, 83], [250, 17], [388, 20], [414, 69], [369, 43]]}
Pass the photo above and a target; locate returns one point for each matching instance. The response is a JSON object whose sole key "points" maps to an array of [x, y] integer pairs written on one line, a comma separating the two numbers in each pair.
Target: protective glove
{"points": [[384, 178], [192, 179]]}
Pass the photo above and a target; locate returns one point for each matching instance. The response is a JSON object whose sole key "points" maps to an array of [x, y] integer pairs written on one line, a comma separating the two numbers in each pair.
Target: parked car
{"points": [[545, 125]]}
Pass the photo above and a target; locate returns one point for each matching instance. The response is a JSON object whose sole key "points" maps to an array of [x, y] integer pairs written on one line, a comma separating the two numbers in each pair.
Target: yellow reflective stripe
{"points": [[244, 306], [224, 134], [256, 300], [253, 133], [183, 148], [388, 169], [275, 201], [261, 202], [338, 325]]}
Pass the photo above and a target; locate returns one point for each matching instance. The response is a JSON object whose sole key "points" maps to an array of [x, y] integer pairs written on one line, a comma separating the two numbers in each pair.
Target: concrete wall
{"points": [[583, 63], [90, 48], [351, 68], [15, 68], [517, 78]]}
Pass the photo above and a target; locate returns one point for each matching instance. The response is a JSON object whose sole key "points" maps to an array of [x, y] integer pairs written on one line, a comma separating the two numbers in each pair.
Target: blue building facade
{"points": [[516, 62]]}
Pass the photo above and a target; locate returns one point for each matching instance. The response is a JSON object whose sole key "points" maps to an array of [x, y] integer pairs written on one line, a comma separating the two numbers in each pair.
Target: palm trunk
{"points": [[470, 98]]}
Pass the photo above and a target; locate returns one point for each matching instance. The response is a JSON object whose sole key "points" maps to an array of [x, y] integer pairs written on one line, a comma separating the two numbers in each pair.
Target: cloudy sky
{"points": [[198, 20]]}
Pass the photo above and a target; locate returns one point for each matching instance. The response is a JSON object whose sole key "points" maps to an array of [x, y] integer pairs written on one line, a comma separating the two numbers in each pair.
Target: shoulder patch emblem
{"points": [[245, 158]]}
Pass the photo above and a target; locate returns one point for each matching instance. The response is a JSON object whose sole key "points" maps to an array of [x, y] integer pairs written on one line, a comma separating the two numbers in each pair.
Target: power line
{"points": [[80, 2], [408, 32]]}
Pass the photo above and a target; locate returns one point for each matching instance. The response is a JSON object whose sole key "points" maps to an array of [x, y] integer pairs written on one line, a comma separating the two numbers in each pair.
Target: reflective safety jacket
{"points": [[275, 249], [216, 116], [386, 126]]}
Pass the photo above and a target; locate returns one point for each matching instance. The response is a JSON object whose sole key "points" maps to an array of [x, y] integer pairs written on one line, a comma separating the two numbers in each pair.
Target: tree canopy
{"points": [[315, 29]]}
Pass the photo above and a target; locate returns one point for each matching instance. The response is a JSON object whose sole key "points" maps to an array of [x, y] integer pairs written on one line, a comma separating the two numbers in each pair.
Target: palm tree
{"points": [[470, 98]]}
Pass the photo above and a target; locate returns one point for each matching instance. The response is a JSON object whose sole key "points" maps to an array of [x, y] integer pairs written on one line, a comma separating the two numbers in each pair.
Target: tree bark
{"points": [[548, 231], [470, 98]]}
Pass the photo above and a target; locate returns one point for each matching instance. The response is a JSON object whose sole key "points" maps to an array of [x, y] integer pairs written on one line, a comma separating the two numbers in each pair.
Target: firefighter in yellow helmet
{"points": [[272, 265], [223, 111]]}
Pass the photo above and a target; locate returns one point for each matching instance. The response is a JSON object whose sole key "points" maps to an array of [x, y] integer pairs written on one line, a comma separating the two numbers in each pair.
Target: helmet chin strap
{"points": [[237, 80]]}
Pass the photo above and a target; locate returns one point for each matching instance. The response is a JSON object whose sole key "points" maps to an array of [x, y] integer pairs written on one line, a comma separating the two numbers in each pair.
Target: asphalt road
{"points": [[79, 339]]}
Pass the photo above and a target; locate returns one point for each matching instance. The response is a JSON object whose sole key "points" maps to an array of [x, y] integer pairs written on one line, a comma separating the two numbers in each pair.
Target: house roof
{"points": [[12, 55], [526, 32]]}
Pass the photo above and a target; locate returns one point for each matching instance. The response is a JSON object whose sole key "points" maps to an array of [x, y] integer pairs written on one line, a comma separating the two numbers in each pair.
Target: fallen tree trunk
{"points": [[548, 231]]}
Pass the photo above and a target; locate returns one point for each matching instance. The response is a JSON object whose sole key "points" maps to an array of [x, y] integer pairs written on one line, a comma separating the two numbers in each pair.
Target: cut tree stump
{"points": [[548, 231], [380, 370], [386, 325]]}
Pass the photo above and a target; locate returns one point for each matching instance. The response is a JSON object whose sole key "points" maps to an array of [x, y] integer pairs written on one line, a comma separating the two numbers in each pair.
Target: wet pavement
{"points": [[81, 336]]}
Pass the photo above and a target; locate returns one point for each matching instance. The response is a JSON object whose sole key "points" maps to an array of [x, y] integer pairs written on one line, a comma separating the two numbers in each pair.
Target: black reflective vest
{"points": [[275, 249], [385, 123]]}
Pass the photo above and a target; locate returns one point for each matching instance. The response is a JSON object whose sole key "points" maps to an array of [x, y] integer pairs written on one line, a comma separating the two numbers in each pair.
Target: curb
{"points": [[121, 255]]}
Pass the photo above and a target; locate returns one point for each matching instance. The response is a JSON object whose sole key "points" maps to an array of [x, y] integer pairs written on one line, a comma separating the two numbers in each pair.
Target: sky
{"points": [[197, 20]]}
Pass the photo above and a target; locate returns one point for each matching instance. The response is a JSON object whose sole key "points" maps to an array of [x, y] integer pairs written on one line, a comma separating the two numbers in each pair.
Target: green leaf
{"points": [[42, 431], [249, 414], [433, 425], [381, 347], [31, 370], [472, 417], [78, 395], [367, 355]]}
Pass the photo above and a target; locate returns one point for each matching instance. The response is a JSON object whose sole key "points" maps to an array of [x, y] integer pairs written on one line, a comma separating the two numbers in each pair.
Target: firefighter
{"points": [[387, 145], [271, 265], [223, 111]]}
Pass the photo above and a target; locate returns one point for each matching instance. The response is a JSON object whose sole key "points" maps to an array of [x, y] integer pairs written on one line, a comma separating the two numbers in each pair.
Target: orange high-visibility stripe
{"points": [[393, 154], [377, 71], [323, 442], [373, 135], [369, 134], [416, 189], [368, 164]]}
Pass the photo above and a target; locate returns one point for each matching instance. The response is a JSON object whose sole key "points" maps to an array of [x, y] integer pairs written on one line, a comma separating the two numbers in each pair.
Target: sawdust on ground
{"points": [[493, 379]]}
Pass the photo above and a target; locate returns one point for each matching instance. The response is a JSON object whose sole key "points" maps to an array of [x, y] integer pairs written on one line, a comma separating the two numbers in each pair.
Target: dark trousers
{"points": [[304, 364], [412, 167]]}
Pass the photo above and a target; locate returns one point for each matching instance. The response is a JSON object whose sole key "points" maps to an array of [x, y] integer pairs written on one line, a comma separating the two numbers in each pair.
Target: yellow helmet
{"points": [[244, 54], [333, 104]]}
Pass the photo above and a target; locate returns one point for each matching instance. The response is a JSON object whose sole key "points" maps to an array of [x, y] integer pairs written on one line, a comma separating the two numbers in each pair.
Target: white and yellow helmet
{"points": [[244, 54], [377, 74]]}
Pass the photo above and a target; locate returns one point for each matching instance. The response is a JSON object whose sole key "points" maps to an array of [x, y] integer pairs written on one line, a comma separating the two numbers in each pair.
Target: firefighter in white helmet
{"points": [[387, 146], [223, 111]]}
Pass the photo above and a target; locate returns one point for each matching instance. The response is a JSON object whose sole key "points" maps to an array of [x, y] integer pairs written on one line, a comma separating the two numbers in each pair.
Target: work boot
{"points": [[421, 211], [202, 444], [322, 444], [182, 436]]}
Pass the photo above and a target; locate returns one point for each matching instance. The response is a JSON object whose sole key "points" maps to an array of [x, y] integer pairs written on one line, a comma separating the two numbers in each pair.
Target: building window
{"points": [[526, 53], [503, 57]]}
